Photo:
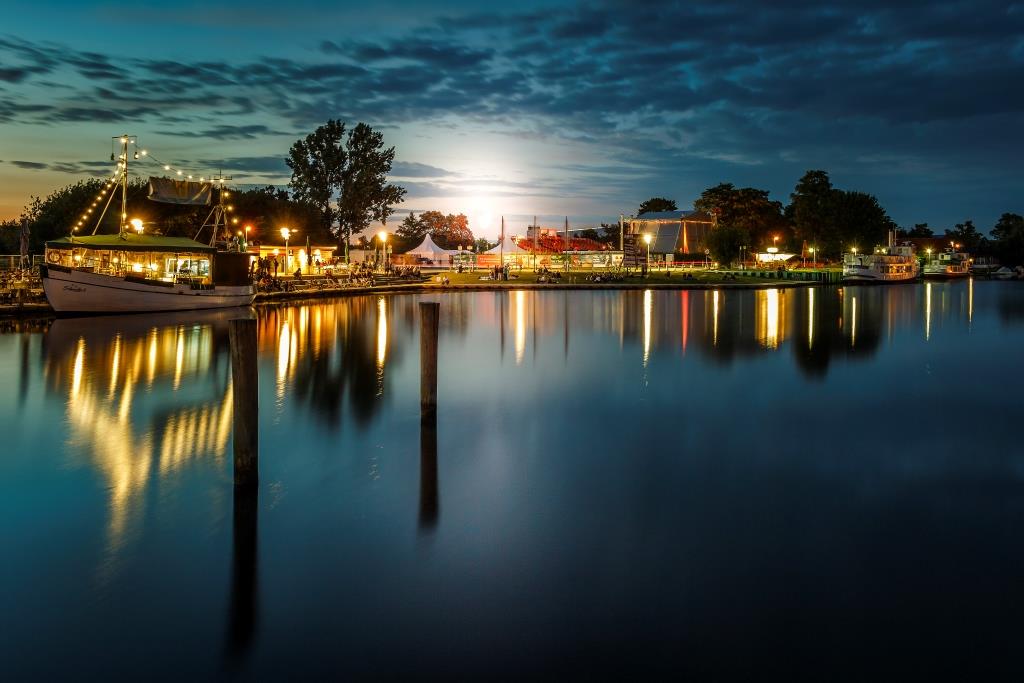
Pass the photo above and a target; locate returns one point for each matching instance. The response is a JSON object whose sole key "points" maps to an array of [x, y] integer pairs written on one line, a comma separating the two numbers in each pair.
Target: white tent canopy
{"points": [[509, 247], [428, 249]]}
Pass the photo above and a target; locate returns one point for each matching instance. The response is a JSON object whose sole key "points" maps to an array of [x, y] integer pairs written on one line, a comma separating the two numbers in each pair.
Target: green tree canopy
{"points": [[657, 204], [920, 230]]}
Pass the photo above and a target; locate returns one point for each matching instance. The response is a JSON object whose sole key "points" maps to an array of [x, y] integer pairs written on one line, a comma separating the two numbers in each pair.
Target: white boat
{"points": [[1006, 273], [133, 272], [892, 263], [947, 264], [142, 273]]}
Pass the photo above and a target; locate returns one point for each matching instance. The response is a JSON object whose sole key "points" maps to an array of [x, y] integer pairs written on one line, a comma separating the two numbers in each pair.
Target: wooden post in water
{"points": [[429, 314], [245, 391]]}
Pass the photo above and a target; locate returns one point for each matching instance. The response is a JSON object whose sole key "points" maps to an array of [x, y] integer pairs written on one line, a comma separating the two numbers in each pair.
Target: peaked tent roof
{"points": [[510, 247], [427, 247]]}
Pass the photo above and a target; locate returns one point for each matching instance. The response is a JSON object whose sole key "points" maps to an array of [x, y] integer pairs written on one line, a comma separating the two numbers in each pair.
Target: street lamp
{"points": [[137, 224], [647, 240], [383, 237], [286, 233], [814, 261]]}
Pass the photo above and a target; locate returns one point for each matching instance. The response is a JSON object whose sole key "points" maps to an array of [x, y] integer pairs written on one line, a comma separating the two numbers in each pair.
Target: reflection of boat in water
{"points": [[947, 264], [892, 263], [136, 273], [143, 397]]}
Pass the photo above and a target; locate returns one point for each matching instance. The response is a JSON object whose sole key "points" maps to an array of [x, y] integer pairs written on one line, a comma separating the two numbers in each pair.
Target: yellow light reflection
{"points": [[927, 311], [714, 327], [970, 300], [810, 317], [853, 321], [767, 318], [382, 332], [648, 305], [77, 369], [520, 330]]}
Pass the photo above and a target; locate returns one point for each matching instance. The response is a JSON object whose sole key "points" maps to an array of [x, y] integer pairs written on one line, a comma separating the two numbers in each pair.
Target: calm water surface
{"points": [[820, 483]]}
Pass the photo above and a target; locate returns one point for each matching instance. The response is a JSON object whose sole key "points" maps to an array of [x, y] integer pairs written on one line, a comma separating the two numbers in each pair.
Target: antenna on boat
{"points": [[219, 212], [120, 178]]}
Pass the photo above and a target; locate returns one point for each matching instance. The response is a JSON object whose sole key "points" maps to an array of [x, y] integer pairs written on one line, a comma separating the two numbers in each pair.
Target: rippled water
{"points": [[801, 482]]}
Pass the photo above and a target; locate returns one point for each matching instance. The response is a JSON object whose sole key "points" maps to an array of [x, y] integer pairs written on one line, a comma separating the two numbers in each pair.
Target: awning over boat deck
{"points": [[131, 242]]}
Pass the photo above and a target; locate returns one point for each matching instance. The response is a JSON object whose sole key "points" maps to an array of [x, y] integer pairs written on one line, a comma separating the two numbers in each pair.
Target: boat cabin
{"points": [[147, 257]]}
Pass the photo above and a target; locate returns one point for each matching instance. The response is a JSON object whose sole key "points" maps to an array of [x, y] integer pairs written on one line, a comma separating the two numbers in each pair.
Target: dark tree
{"points": [[758, 218], [317, 163], [410, 233], [657, 205], [859, 222], [1008, 238], [968, 238], [811, 207], [351, 167], [920, 230]]}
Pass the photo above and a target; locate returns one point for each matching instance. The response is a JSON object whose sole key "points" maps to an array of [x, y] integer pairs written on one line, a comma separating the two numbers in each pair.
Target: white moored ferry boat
{"points": [[947, 264], [892, 263], [133, 272], [142, 273]]}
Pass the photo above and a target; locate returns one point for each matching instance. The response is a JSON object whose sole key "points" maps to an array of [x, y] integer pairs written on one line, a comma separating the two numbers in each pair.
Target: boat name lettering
{"points": [[73, 288]]}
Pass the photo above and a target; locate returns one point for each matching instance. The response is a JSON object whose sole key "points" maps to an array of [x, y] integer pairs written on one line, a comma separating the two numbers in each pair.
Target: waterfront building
{"points": [[674, 233]]}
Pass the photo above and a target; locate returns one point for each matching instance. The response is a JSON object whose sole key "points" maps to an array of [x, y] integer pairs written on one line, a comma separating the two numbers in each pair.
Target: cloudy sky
{"points": [[550, 108]]}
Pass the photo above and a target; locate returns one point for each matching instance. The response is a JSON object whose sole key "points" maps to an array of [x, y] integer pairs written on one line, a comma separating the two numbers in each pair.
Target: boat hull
{"points": [[74, 291], [945, 273], [877, 277]]}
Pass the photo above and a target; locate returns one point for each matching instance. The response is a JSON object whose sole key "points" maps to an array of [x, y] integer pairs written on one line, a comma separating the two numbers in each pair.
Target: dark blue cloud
{"points": [[915, 99]]}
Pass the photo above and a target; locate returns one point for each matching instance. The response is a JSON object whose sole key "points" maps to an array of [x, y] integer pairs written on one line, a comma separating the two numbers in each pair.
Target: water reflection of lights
{"points": [[970, 300], [810, 317], [853, 321], [648, 305], [77, 369], [767, 318], [124, 448], [927, 311], [684, 305], [382, 342], [520, 331], [283, 357], [382, 331], [714, 327]]}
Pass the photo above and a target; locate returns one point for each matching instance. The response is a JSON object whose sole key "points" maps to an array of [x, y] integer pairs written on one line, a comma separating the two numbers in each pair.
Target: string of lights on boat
{"points": [[139, 154]]}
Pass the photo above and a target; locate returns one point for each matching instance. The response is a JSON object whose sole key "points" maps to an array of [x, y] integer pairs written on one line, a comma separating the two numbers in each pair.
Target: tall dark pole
{"points": [[245, 392], [429, 314]]}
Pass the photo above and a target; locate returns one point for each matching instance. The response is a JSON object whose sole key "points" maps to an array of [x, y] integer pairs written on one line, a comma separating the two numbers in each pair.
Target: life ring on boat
{"points": [[53, 257]]}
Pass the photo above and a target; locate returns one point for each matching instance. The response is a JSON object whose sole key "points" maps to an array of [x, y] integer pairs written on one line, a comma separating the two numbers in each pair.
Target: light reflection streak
{"points": [[853, 321], [520, 331], [648, 305], [767, 315], [810, 317], [382, 342], [714, 327], [283, 352], [970, 300], [927, 311]]}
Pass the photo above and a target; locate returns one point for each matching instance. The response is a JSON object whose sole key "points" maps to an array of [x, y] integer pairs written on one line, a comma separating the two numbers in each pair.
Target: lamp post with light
{"points": [[383, 237], [647, 240], [286, 233]]}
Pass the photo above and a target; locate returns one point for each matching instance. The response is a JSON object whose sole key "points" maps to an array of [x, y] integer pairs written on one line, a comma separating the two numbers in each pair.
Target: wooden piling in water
{"points": [[429, 505], [245, 391], [429, 315]]}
